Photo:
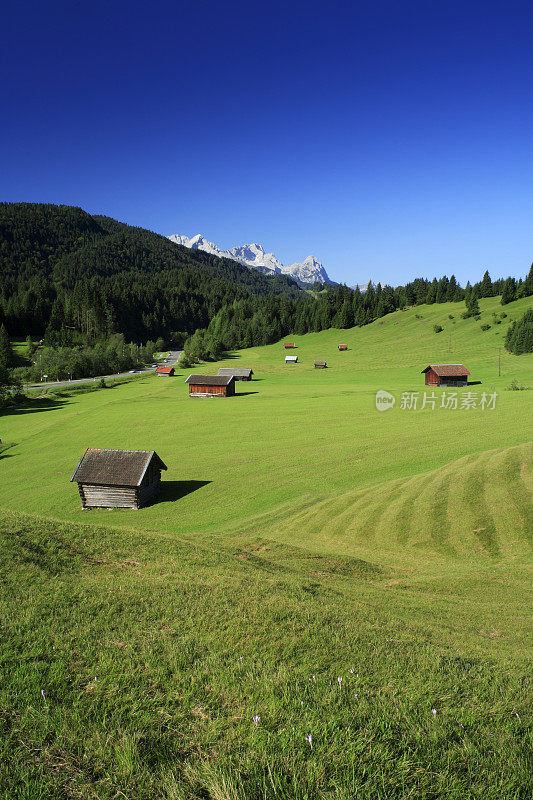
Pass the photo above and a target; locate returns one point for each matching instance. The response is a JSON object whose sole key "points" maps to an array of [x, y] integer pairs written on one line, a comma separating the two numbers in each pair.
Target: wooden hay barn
{"points": [[320, 364], [238, 374], [168, 371], [446, 375], [343, 347], [211, 385], [289, 345], [118, 478], [291, 359]]}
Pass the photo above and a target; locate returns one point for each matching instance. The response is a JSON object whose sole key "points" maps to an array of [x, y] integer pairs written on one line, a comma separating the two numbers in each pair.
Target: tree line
{"points": [[252, 321]]}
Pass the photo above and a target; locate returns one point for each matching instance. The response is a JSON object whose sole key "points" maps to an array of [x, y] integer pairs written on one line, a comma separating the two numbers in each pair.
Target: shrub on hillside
{"points": [[514, 386], [485, 327], [438, 328]]}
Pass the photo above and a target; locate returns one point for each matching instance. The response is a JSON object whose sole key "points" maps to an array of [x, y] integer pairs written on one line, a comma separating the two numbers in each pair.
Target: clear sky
{"points": [[389, 138]]}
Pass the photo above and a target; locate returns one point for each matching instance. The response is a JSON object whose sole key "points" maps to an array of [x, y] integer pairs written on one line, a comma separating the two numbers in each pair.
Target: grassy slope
{"points": [[324, 434], [331, 538], [154, 655]]}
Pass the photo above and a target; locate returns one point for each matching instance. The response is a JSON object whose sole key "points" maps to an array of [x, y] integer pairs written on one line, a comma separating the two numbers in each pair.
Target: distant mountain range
{"points": [[253, 255]]}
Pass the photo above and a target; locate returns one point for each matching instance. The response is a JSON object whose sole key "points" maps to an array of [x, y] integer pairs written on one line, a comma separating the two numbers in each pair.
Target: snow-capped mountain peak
{"points": [[253, 255]]}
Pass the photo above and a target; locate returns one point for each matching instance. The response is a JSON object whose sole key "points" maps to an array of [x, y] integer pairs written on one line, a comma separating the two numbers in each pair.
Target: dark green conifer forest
{"points": [[519, 338]]}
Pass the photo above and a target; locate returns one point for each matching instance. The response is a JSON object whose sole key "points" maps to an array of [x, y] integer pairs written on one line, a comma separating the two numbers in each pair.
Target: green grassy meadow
{"points": [[301, 537]]}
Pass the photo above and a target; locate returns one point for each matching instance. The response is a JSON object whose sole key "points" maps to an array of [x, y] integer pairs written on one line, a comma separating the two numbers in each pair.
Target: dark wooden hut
{"points": [[238, 373], [291, 359], [320, 364], [446, 375], [289, 345], [343, 347], [118, 478], [211, 385], [168, 371]]}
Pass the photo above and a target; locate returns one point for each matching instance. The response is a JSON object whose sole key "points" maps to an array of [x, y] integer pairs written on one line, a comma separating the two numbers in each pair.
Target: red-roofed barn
{"points": [[446, 375]]}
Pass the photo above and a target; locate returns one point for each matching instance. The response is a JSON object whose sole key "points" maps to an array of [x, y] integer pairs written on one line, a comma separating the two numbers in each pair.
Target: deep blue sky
{"points": [[389, 138]]}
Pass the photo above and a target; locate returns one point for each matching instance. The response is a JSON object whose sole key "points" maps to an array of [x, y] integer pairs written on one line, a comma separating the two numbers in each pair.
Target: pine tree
{"points": [[509, 291], [346, 315], [431, 295], [452, 288], [6, 352], [473, 305], [442, 290], [369, 299], [30, 347], [519, 338], [528, 283], [486, 285]]}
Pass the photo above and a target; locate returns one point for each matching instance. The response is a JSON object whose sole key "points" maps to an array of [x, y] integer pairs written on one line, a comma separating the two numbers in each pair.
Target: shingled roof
{"points": [[448, 370], [237, 373], [210, 380], [115, 467]]}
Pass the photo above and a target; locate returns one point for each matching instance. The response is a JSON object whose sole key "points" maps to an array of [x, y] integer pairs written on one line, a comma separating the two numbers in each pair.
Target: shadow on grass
{"points": [[473, 383], [36, 404], [170, 491], [3, 451], [243, 394]]}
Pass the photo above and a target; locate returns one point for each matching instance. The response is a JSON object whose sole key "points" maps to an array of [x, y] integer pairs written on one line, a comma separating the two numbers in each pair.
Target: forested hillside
{"points": [[74, 278], [63, 271], [257, 321]]}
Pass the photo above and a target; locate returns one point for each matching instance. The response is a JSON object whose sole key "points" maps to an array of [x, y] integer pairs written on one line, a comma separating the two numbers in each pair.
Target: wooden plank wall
{"points": [[208, 391], [147, 492], [108, 496]]}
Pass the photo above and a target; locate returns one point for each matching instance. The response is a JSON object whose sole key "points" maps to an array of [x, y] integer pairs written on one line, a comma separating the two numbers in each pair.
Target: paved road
{"points": [[170, 361]]}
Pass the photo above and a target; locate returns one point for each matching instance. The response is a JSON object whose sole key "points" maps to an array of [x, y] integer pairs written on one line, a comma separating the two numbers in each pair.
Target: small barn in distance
{"points": [[168, 371], [320, 364], [211, 385], [238, 373], [291, 359], [118, 478], [343, 347], [446, 375], [289, 345]]}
